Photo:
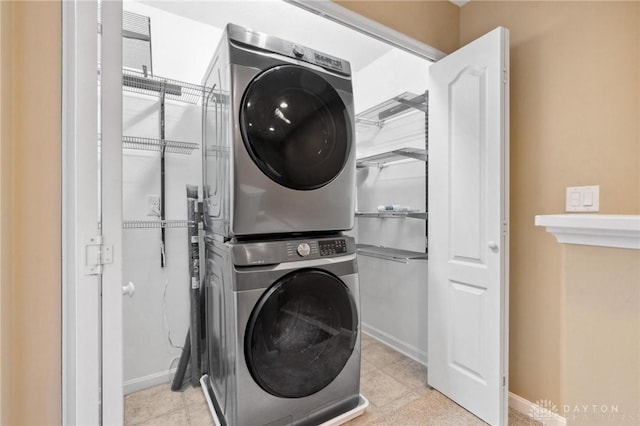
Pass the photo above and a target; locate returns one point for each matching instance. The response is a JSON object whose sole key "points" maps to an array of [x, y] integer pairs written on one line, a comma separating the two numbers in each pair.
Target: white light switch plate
{"points": [[583, 199]]}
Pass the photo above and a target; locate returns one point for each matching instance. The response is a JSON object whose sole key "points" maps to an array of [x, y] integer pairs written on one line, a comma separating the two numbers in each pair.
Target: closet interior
{"points": [[167, 49]]}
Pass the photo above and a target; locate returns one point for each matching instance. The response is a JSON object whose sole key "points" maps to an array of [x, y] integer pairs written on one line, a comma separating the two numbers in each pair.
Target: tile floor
{"points": [[394, 385]]}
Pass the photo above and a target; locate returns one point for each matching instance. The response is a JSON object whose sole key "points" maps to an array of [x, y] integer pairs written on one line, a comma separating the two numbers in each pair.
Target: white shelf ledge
{"points": [[619, 231]]}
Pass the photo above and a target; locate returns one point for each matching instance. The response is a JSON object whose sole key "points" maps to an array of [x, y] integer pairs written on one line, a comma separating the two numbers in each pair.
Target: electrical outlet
{"points": [[153, 205]]}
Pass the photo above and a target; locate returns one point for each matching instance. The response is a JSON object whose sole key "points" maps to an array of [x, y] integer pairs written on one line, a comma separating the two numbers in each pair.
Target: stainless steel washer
{"points": [[278, 130], [283, 335]]}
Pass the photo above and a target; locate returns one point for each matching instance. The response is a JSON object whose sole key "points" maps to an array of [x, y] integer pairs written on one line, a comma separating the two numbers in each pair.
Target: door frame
{"points": [[90, 288], [343, 16], [80, 347], [84, 350]]}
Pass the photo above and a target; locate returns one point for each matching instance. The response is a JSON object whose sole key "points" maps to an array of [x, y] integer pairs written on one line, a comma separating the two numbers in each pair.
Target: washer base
{"points": [[336, 421]]}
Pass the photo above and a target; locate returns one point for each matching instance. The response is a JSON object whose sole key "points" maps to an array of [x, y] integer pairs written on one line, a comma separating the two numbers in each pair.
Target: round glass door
{"points": [[301, 333], [295, 127]]}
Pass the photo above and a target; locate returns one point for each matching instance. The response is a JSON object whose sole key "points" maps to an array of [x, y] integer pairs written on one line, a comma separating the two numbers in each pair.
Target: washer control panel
{"points": [[332, 247], [278, 251]]}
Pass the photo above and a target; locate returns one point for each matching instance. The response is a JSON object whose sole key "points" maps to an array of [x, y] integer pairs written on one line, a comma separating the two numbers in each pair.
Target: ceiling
{"points": [[284, 20]]}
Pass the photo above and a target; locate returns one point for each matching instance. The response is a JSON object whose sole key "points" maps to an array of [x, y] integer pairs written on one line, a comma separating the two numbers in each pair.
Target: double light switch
{"points": [[583, 198]]}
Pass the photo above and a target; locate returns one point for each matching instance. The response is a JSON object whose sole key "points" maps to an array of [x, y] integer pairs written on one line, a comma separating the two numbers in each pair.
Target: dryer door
{"points": [[301, 333], [295, 127]]}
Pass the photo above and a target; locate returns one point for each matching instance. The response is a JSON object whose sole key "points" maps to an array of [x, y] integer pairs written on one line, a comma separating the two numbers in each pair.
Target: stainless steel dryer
{"points": [[283, 330], [278, 130]]}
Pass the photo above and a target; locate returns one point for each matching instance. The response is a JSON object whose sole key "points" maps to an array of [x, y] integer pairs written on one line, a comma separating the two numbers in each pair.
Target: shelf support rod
{"points": [[163, 90]]}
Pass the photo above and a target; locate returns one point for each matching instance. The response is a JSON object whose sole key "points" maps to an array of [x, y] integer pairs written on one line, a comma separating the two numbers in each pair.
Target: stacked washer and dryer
{"points": [[281, 283]]}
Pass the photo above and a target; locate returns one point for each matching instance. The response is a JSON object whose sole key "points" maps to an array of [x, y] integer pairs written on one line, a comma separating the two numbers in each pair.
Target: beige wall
{"points": [[603, 335], [33, 289], [575, 94], [432, 22], [5, 209]]}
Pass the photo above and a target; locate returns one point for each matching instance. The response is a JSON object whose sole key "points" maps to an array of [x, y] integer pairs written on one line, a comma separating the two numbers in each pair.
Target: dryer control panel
{"points": [[273, 44], [331, 247]]}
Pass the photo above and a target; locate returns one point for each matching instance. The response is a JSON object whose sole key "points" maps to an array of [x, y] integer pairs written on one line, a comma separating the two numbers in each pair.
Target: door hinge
{"points": [[504, 381], [96, 255], [505, 76]]}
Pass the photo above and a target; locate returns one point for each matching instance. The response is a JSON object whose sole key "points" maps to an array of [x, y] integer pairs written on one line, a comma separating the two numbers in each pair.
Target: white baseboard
{"points": [[398, 345], [144, 382], [535, 411]]}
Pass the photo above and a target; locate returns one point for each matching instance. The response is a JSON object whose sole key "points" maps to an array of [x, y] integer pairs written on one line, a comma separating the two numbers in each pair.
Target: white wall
{"points": [[393, 295], [389, 76], [147, 352], [182, 49]]}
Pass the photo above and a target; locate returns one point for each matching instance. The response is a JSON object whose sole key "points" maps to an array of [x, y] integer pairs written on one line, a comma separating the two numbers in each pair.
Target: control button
{"points": [[297, 51], [304, 249]]}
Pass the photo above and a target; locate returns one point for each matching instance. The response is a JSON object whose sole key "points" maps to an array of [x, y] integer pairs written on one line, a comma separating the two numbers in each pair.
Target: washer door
{"points": [[295, 127], [301, 333]]}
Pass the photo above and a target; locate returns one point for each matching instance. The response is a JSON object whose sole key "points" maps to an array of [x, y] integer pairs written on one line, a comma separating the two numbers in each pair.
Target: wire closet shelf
{"points": [[391, 109], [150, 144], [138, 82], [155, 224]]}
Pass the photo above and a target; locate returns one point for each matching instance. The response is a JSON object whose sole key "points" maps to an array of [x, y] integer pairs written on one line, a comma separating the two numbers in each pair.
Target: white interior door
{"points": [[468, 219]]}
